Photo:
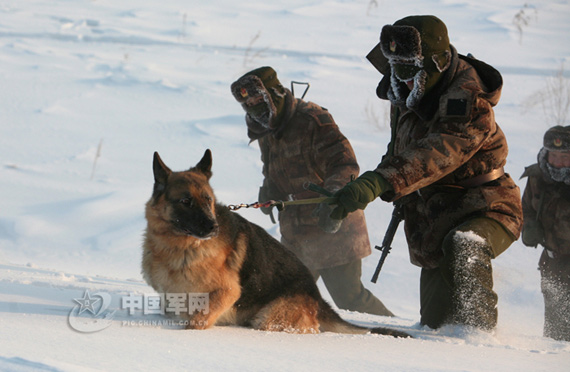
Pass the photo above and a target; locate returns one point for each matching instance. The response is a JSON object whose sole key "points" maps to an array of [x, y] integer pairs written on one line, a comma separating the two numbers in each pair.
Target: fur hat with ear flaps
{"points": [[416, 47], [555, 139], [264, 117]]}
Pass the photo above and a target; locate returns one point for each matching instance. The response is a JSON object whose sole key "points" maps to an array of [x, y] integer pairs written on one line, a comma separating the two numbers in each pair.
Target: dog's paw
{"points": [[199, 321]]}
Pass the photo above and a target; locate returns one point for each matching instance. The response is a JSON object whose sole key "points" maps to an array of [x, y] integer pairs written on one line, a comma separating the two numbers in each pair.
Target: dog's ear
{"points": [[205, 165], [161, 173]]}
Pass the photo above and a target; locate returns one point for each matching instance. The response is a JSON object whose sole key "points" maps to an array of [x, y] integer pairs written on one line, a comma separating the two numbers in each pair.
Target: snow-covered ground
{"points": [[91, 88]]}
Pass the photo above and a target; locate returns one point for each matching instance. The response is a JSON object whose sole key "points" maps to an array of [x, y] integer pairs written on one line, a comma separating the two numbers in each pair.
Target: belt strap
{"points": [[483, 178]]}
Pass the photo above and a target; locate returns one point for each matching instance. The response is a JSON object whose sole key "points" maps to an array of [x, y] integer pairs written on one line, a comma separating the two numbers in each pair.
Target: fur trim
{"points": [[401, 44], [541, 157], [400, 95], [254, 129], [397, 92], [415, 96], [246, 86], [557, 138], [434, 58]]}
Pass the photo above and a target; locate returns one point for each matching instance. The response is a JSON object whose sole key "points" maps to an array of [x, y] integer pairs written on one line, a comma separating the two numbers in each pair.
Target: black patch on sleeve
{"points": [[456, 107], [325, 118]]}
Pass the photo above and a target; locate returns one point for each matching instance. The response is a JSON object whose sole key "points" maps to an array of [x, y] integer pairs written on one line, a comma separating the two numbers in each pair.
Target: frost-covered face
{"points": [[258, 109], [555, 165], [262, 104], [408, 83], [558, 165], [559, 159], [418, 51], [406, 73]]}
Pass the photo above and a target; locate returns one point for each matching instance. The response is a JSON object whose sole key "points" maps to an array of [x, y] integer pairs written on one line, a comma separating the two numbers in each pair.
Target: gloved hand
{"points": [[358, 193], [326, 223], [532, 233]]}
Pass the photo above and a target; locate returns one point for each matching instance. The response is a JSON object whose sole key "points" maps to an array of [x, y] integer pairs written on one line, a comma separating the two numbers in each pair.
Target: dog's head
{"points": [[185, 200]]}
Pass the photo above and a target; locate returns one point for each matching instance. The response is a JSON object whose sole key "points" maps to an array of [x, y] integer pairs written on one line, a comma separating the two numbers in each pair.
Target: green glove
{"points": [[532, 234], [358, 193]]}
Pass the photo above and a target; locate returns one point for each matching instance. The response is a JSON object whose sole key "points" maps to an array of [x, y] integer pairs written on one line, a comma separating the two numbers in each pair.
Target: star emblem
{"points": [[87, 303], [392, 46], [243, 92], [557, 142]]}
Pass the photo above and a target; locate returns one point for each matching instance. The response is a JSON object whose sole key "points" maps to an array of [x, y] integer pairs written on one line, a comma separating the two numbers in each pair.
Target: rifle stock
{"points": [[387, 241]]}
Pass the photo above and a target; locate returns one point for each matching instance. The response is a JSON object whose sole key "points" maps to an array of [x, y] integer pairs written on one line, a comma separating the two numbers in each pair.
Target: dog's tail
{"points": [[330, 321]]}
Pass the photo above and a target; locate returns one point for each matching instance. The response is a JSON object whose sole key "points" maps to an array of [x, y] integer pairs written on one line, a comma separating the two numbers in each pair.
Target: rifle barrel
{"points": [[387, 241], [385, 250]]}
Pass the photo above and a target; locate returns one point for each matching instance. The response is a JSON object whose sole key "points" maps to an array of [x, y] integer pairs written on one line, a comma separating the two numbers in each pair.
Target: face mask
{"points": [[555, 174], [559, 174], [257, 108], [259, 112], [407, 84], [405, 72]]}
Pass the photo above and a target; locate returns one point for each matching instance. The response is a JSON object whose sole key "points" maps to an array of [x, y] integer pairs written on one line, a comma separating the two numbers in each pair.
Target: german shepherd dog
{"points": [[194, 245]]}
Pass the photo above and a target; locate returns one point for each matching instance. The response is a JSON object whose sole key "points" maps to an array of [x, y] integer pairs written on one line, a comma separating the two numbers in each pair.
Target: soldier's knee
{"points": [[479, 235]]}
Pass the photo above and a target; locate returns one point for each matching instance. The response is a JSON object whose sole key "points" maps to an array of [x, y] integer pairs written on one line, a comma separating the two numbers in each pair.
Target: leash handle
{"points": [[322, 199], [316, 188]]}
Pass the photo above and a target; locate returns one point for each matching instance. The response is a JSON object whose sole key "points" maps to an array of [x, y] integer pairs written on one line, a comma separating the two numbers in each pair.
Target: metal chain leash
{"points": [[281, 204], [267, 204], [328, 198]]}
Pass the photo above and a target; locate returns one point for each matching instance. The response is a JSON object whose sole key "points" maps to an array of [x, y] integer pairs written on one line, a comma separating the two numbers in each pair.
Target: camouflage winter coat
{"points": [[548, 203], [309, 147], [437, 151]]}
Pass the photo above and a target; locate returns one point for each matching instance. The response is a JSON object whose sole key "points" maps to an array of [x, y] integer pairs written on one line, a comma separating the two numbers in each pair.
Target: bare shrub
{"points": [[554, 99], [373, 4], [377, 114], [251, 53], [523, 18]]}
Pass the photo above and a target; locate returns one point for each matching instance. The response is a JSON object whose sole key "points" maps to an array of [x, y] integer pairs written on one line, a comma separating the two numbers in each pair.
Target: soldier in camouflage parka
{"points": [[444, 169], [546, 208], [301, 143]]}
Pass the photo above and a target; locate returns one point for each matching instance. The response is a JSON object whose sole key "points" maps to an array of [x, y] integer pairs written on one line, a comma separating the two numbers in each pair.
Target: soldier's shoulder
{"points": [[532, 171], [467, 90], [320, 114]]}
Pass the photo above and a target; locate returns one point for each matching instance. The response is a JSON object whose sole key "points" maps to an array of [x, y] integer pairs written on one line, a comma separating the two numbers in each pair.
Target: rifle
{"points": [[387, 242]]}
